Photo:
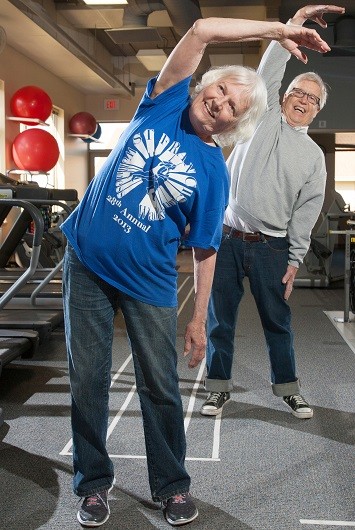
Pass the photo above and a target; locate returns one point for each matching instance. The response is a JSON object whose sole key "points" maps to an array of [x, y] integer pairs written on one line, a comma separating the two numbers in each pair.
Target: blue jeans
{"points": [[264, 263], [90, 305]]}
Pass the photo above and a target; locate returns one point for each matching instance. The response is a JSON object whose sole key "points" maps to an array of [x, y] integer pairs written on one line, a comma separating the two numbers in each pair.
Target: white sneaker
{"points": [[299, 406]]}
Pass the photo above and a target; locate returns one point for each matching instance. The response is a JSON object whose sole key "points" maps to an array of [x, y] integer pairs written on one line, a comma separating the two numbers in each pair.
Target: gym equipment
{"points": [[15, 343], [324, 261], [31, 102], [46, 282], [42, 321], [83, 123], [35, 150], [349, 270], [20, 342], [16, 248]]}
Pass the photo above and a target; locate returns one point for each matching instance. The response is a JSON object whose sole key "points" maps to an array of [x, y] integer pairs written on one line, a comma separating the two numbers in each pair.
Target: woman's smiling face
{"points": [[217, 108]]}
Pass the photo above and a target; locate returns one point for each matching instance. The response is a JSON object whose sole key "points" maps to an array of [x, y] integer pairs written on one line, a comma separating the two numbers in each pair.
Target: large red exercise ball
{"points": [[31, 102], [95, 136], [82, 123], [35, 150]]}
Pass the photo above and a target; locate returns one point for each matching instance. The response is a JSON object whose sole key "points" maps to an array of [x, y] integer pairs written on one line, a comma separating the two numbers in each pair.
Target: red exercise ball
{"points": [[31, 102], [82, 123], [35, 150]]}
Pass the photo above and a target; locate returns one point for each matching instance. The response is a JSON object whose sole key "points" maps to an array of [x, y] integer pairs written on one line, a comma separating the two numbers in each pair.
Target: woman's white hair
{"points": [[310, 76], [253, 91]]}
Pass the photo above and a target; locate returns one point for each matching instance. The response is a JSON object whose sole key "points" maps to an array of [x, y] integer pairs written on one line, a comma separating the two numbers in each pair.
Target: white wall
{"points": [[17, 71]]}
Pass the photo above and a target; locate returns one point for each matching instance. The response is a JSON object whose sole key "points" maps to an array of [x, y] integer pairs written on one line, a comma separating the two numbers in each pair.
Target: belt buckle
{"points": [[253, 236], [228, 233]]}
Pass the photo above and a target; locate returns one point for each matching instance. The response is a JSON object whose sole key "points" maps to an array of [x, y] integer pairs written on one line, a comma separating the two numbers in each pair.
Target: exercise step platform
{"points": [[41, 320], [51, 290], [17, 343]]}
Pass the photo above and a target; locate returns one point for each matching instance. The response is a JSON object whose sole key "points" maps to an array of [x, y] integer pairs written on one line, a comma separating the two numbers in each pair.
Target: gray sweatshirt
{"points": [[278, 177]]}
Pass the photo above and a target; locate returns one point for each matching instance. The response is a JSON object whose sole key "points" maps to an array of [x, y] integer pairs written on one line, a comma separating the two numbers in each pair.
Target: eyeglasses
{"points": [[299, 93]]}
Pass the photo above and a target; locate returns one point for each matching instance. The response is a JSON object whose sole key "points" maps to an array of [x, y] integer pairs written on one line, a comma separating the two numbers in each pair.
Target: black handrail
{"points": [[36, 247]]}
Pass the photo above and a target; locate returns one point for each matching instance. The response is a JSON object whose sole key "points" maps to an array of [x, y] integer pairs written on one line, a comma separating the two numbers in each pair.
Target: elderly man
{"points": [[277, 191]]}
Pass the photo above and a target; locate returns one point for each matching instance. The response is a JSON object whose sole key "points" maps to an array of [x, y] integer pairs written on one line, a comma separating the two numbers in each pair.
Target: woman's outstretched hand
{"points": [[316, 13]]}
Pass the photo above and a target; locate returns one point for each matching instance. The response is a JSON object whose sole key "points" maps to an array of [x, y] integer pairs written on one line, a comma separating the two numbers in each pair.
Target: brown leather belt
{"points": [[245, 236]]}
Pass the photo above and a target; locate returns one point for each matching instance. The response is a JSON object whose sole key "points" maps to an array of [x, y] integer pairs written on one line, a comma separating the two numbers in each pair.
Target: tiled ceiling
{"points": [[94, 49]]}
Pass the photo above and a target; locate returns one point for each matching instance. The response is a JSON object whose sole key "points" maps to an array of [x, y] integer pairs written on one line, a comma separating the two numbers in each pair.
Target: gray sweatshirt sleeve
{"points": [[306, 211], [272, 69]]}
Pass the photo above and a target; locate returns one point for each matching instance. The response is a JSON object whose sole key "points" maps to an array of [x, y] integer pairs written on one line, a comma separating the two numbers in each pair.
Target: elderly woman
{"points": [[166, 171]]}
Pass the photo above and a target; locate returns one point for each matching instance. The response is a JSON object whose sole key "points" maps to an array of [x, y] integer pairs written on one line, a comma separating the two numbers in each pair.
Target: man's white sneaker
{"points": [[214, 403], [299, 406]]}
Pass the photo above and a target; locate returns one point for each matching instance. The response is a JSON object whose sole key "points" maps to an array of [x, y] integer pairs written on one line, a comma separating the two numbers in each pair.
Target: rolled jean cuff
{"points": [[95, 487], [218, 385], [184, 487], [286, 389]]}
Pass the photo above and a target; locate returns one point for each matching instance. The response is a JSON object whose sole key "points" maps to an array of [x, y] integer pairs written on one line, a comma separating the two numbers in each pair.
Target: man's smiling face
{"points": [[299, 111]]}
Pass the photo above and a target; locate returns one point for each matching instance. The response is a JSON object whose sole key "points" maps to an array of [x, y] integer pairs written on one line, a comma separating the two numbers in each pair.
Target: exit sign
{"points": [[111, 104]]}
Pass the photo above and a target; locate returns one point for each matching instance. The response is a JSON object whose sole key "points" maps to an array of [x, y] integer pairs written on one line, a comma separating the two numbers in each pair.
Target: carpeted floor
{"points": [[255, 468]]}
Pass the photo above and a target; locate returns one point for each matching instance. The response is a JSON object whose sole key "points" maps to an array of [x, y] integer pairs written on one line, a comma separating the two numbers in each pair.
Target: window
{"points": [[345, 167], [100, 150]]}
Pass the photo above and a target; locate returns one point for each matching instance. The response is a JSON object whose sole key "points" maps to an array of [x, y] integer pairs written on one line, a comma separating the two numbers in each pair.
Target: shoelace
{"points": [[94, 500], [298, 400], [179, 499], [215, 397]]}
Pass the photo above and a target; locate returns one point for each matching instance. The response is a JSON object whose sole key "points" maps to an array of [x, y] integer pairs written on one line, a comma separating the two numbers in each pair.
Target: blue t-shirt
{"points": [[159, 178]]}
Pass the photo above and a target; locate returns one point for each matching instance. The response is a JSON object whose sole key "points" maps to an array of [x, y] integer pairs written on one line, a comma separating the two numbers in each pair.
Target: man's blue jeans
{"points": [[90, 305], [265, 264]]}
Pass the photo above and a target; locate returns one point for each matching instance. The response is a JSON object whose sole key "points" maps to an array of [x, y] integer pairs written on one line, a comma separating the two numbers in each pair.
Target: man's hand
{"points": [[195, 342], [288, 279], [308, 39], [315, 13]]}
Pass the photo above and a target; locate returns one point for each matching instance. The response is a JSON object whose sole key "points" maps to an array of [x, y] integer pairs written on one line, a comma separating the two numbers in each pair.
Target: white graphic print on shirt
{"points": [[161, 169]]}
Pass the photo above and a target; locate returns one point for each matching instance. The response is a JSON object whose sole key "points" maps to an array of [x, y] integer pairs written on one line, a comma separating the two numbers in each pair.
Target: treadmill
{"points": [[16, 342], [30, 298], [44, 288]]}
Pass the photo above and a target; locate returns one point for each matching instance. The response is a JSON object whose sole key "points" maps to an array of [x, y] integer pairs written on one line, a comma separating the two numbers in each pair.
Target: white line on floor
{"points": [[183, 283], [66, 450], [120, 370], [217, 427], [121, 411], [327, 523], [192, 400], [143, 457], [345, 329], [182, 305]]}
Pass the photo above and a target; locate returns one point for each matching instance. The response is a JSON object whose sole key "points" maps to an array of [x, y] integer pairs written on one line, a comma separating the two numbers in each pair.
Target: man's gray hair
{"points": [[310, 76], [253, 89]]}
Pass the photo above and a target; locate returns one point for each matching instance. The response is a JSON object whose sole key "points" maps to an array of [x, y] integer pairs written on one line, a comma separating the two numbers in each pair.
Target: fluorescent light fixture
{"points": [[106, 2], [133, 34], [153, 60]]}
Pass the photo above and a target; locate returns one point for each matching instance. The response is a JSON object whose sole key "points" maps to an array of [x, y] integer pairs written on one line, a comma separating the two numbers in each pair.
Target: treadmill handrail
{"points": [[52, 202], [58, 267], [36, 247]]}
